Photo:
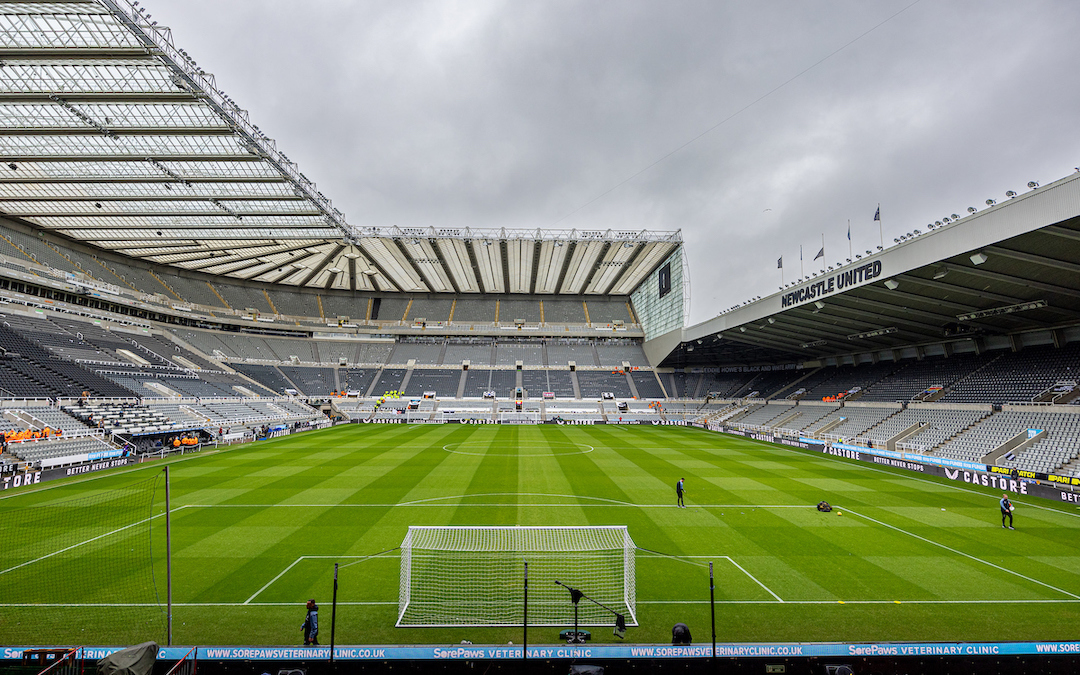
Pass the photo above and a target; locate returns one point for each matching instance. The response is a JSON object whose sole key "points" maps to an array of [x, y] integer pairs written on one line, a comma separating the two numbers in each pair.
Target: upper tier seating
{"points": [[35, 372], [311, 381], [443, 382], [1018, 376], [646, 384], [914, 377], [937, 425], [593, 383]]}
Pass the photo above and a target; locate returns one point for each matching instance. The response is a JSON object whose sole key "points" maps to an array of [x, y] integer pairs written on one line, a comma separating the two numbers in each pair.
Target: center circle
{"points": [[557, 450]]}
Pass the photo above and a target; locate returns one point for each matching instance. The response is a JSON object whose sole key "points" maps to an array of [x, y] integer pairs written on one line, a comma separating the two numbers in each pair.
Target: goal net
{"points": [[474, 575], [86, 569], [519, 417]]}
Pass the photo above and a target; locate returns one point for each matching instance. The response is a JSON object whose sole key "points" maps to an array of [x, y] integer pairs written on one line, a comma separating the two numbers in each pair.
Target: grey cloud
{"points": [[517, 114]]}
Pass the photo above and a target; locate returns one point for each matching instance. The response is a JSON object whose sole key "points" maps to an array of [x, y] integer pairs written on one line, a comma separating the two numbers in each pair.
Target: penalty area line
{"points": [[293, 564], [961, 553]]}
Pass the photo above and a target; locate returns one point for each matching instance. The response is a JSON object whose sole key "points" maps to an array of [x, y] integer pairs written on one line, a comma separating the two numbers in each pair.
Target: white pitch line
{"points": [[37, 605], [420, 504], [767, 589], [961, 553], [179, 604], [248, 601], [861, 602], [81, 543], [306, 557], [776, 447]]}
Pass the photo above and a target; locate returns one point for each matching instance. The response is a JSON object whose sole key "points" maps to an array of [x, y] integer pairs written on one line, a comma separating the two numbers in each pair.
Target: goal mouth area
{"points": [[475, 576]]}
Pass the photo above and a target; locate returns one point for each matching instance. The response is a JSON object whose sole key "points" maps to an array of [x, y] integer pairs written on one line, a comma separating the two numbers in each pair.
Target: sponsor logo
{"points": [[20, 479], [993, 480]]}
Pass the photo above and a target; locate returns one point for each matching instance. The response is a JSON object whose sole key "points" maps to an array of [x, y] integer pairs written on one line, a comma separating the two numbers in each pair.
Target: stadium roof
{"points": [[113, 136], [1010, 268]]}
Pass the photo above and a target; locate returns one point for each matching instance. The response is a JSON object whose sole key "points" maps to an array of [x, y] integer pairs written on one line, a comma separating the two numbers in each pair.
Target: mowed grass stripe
{"points": [[347, 492]]}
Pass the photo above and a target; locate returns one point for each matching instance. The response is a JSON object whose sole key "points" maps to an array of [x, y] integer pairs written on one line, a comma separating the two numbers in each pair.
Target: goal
{"points": [[519, 417], [474, 575]]}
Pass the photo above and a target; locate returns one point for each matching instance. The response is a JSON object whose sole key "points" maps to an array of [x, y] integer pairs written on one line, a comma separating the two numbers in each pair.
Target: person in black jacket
{"points": [[311, 624]]}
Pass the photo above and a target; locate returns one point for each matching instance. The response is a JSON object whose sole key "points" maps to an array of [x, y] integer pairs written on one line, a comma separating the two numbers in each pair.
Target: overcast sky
{"points": [[561, 114]]}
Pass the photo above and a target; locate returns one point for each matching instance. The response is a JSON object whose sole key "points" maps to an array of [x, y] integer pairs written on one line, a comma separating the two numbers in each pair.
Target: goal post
{"points": [[519, 417], [473, 575]]}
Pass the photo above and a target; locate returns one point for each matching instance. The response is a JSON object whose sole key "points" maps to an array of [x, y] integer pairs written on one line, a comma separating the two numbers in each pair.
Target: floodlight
{"points": [[945, 220], [819, 304], [869, 252], [917, 232], [937, 223], [352, 255], [892, 284], [742, 329], [830, 268], [990, 202], [370, 273], [896, 240], [972, 209], [1010, 194], [772, 320], [858, 256], [848, 259], [941, 272], [1033, 184], [978, 258], [558, 243], [955, 217], [881, 248]]}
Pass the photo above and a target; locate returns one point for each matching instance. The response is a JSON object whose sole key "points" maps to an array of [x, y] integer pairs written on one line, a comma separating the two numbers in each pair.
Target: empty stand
{"points": [[593, 383]]}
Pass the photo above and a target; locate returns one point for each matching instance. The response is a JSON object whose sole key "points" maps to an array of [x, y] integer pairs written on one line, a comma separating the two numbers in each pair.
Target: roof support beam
{"points": [[884, 320], [375, 263], [154, 214], [596, 266], [68, 180], [1017, 281], [118, 131], [415, 267], [153, 198], [322, 263], [26, 159], [1042, 261], [953, 288], [1063, 232], [67, 53], [629, 263]]}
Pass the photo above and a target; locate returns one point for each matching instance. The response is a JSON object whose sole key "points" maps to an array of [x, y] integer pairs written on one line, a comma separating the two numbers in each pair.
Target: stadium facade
{"points": [[170, 279]]}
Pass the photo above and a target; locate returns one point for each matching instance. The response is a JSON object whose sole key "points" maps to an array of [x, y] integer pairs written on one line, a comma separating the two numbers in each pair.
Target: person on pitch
{"points": [[680, 488], [1006, 510], [311, 624]]}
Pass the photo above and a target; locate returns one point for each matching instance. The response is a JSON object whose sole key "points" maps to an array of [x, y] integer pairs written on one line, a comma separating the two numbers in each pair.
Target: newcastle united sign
{"points": [[831, 284]]}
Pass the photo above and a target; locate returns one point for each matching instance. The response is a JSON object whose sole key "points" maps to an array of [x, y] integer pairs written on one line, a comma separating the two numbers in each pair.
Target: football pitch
{"points": [[256, 530]]}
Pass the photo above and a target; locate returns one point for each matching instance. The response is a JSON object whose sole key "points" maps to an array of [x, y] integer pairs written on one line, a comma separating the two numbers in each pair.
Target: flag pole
{"points": [[849, 253], [801, 275], [880, 229], [823, 253]]}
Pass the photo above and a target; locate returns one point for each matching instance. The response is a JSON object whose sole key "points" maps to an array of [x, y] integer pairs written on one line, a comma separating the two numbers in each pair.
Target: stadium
{"points": [[220, 399]]}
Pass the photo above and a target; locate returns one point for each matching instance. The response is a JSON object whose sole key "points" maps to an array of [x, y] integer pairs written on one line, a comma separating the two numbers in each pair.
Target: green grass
{"points": [[911, 558]]}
